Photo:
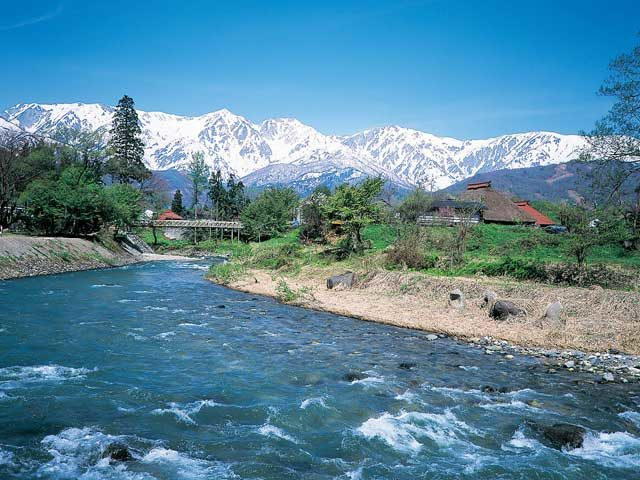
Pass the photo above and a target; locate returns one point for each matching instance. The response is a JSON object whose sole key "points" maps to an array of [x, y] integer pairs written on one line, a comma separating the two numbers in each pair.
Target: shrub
{"points": [[225, 273], [408, 250], [278, 257]]}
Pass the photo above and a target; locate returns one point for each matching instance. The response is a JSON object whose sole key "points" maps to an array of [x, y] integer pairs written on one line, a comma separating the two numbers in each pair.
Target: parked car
{"points": [[556, 229]]}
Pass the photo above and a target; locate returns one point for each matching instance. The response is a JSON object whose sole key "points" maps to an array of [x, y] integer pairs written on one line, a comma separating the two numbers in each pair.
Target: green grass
{"points": [[380, 236], [226, 272], [517, 251]]}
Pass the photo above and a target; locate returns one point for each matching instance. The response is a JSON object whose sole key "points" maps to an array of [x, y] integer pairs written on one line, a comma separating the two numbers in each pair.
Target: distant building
{"points": [[498, 207], [541, 219], [169, 215], [451, 211]]}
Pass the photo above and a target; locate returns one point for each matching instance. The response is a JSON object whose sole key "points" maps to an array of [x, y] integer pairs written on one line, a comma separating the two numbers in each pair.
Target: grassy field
{"points": [[517, 251]]}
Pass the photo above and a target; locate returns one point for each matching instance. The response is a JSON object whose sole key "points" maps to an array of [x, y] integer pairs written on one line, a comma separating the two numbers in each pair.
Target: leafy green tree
{"points": [[312, 216], [589, 228], [356, 207], [414, 205], [126, 150], [235, 197], [270, 214], [72, 205], [217, 194], [22, 160], [198, 172], [176, 203], [82, 148], [122, 205]]}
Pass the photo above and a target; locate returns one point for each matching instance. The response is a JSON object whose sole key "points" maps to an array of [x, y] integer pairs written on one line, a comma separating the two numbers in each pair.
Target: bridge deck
{"points": [[190, 224]]}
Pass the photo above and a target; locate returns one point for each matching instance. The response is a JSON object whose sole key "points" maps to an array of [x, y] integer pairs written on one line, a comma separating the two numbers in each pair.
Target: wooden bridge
{"points": [[220, 227]]}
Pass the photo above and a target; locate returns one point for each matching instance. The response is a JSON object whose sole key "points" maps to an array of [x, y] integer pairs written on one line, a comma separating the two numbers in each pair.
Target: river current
{"points": [[201, 382]]}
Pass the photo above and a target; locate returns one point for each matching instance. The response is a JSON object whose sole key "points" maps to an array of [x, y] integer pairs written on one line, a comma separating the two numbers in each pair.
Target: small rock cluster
{"points": [[612, 366], [502, 310]]}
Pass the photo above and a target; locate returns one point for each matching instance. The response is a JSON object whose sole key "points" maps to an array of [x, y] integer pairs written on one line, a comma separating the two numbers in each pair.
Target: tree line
{"points": [[72, 183]]}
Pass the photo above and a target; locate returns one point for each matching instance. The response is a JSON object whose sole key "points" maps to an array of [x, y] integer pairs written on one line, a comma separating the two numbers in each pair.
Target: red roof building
{"points": [[541, 219], [169, 215]]}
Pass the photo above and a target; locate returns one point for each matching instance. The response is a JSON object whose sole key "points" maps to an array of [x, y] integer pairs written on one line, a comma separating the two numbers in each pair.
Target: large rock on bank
{"points": [[347, 280], [456, 299], [503, 309]]}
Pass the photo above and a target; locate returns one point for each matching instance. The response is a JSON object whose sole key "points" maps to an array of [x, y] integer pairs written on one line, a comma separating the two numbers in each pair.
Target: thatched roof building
{"points": [[498, 207]]}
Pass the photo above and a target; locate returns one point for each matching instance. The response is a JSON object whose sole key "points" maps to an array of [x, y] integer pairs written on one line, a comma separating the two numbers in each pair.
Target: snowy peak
{"points": [[35, 117], [235, 145]]}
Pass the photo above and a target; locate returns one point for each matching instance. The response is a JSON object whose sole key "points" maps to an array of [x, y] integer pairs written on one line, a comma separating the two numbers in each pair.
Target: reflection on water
{"points": [[198, 381]]}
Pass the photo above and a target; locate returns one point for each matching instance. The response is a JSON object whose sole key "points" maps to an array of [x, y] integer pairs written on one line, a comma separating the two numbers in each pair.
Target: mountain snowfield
{"points": [[287, 152]]}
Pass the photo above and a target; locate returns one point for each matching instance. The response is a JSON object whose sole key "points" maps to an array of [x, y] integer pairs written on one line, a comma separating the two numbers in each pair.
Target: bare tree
{"points": [[615, 141]]}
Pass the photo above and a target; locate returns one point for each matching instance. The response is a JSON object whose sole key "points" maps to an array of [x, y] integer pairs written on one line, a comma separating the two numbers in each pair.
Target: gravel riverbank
{"points": [[598, 331]]}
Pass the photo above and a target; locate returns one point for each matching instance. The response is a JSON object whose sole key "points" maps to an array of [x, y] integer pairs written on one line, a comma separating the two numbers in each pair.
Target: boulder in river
{"points": [[456, 298], [407, 365], [354, 376], [117, 451], [503, 309], [563, 435], [347, 279]]}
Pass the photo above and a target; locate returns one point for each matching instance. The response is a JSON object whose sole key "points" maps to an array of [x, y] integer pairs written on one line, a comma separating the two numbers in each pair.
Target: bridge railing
{"points": [[189, 224]]}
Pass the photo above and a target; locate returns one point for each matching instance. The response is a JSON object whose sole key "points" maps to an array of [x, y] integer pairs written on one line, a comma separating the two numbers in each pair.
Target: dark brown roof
{"points": [[478, 185], [498, 206]]}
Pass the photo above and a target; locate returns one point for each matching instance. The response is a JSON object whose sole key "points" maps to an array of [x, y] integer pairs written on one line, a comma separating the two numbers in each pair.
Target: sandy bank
{"points": [[24, 256], [592, 319]]}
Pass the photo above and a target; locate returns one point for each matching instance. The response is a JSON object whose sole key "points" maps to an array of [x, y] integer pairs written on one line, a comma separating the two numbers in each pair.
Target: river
{"points": [[201, 382]]}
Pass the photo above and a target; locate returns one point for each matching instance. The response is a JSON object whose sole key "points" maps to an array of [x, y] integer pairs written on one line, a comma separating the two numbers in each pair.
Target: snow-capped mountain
{"points": [[286, 151]]}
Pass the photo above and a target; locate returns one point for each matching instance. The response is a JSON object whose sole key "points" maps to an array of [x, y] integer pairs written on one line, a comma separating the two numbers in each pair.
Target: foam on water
{"points": [[632, 416], [618, 449], [183, 412], [519, 442], [106, 285], [513, 404], [6, 457], [318, 401], [181, 466], [164, 335], [402, 432], [269, 430], [76, 453], [18, 376], [370, 381], [467, 368]]}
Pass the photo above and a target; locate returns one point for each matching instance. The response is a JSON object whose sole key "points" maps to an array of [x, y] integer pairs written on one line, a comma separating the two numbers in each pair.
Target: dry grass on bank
{"points": [[592, 319]]}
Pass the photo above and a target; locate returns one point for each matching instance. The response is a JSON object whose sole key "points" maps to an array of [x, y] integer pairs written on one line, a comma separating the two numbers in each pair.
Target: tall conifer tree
{"points": [[176, 204], [126, 148]]}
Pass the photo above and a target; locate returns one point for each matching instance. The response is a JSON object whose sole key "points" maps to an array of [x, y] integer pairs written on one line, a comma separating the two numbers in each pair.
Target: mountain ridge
{"points": [[286, 151]]}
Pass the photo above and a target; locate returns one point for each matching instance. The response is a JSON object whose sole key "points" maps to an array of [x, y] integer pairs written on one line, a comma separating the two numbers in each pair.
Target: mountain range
{"points": [[284, 151]]}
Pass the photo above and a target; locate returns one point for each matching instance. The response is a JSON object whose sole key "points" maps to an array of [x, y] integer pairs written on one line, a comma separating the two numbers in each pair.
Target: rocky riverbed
{"points": [[611, 366]]}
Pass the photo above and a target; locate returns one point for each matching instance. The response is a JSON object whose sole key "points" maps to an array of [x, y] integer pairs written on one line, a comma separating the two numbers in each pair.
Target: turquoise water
{"points": [[201, 382]]}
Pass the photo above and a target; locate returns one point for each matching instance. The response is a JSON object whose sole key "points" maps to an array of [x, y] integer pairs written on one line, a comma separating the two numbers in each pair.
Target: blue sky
{"points": [[467, 69]]}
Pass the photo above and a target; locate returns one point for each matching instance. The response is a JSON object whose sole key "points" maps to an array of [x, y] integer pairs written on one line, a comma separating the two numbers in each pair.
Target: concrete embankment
{"points": [[24, 256]]}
